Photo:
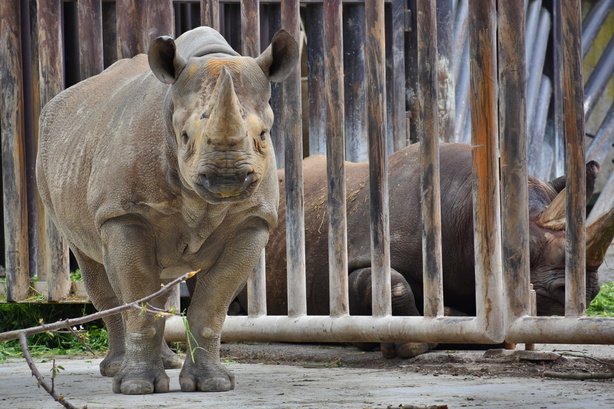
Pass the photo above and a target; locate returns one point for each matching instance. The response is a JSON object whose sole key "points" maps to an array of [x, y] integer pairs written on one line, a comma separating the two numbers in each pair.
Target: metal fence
{"points": [[375, 82]]}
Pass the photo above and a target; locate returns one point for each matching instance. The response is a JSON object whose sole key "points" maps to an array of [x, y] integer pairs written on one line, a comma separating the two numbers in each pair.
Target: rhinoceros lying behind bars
{"points": [[547, 241], [160, 165]]}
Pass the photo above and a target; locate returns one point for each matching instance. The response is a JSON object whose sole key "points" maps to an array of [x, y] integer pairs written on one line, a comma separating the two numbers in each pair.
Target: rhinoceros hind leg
{"points": [[170, 359], [103, 297]]}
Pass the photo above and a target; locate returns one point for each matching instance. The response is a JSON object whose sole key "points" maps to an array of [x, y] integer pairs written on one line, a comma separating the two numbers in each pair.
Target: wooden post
{"points": [[316, 80], [91, 54], [53, 253], [486, 217], [250, 27], [159, 21], [335, 152], [130, 16], [428, 132], [378, 164], [13, 154], [445, 69], [210, 13], [514, 176], [292, 135], [354, 86], [573, 96]]}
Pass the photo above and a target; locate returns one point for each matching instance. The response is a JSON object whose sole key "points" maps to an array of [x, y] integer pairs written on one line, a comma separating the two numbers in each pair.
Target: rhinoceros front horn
{"points": [[599, 236], [224, 108]]}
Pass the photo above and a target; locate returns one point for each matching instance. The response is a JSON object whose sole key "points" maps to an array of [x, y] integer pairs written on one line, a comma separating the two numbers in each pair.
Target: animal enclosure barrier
{"points": [[375, 82]]}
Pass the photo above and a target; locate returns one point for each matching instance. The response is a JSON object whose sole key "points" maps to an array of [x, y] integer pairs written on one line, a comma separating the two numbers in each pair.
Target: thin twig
{"points": [[578, 355], [5, 336], [581, 376], [23, 340], [80, 338]]}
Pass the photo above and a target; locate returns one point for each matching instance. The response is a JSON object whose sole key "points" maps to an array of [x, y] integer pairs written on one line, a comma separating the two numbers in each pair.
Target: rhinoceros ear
{"points": [[280, 57], [164, 61]]}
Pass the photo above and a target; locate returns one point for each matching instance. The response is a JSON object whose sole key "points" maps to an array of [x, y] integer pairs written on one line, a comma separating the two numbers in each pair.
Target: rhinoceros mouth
{"points": [[216, 188]]}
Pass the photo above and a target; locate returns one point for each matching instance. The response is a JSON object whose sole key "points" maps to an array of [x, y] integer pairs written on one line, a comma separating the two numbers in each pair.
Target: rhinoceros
{"points": [[547, 238], [160, 165]]}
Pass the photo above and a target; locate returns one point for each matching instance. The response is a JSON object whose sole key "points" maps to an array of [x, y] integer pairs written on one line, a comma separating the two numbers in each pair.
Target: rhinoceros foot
{"points": [[112, 363], [141, 379], [213, 378], [405, 350]]}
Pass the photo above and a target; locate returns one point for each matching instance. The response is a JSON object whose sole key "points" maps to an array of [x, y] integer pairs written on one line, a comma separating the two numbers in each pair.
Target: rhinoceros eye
{"points": [[262, 135], [184, 137]]}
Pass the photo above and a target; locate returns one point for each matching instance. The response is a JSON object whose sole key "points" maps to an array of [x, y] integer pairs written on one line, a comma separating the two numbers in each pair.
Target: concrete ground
{"points": [[313, 376]]}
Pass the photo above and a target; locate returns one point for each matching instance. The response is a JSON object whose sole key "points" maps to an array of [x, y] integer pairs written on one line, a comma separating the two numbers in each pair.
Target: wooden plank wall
{"points": [[67, 41], [35, 64]]}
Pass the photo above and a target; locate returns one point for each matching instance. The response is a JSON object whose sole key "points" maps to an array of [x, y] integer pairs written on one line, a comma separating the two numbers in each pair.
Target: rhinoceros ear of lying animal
{"points": [[164, 60], [280, 57]]}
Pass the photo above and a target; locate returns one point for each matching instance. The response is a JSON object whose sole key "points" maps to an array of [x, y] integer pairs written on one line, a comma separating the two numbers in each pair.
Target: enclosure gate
{"points": [[419, 106]]}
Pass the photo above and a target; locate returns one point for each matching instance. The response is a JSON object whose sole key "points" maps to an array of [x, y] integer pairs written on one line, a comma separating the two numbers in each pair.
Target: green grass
{"points": [[603, 304], [19, 316]]}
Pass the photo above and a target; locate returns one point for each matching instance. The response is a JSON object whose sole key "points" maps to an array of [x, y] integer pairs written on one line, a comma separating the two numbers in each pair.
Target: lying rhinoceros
{"points": [[160, 165], [547, 244]]}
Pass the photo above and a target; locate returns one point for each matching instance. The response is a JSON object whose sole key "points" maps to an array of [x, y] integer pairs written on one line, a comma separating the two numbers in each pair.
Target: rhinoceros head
{"points": [[548, 245], [219, 114]]}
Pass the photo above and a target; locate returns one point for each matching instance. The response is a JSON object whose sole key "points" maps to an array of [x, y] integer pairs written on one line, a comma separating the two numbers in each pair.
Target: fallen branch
{"points": [[23, 340], [65, 324], [579, 376], [22, 334]]}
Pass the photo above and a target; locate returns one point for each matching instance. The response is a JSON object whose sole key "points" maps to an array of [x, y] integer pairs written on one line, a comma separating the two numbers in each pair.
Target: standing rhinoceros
{"points": [[160, 165], [547, 243]]}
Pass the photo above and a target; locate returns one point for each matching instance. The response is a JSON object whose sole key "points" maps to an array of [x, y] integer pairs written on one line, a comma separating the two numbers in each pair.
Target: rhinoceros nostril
{"points": [[205, 180], [250, 178]]}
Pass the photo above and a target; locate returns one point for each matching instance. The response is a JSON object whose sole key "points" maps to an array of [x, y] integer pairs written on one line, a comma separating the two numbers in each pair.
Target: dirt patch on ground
{"points": [[451, 360]]}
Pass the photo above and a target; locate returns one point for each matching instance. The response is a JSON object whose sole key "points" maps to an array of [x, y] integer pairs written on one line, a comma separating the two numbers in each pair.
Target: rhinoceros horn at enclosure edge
{"points": [[547, 237], [152, 172]]}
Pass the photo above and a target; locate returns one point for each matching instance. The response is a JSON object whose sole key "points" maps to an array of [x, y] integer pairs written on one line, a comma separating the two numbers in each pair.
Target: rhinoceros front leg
{"points": [[130, 263], [215, 289], [403, 303]]}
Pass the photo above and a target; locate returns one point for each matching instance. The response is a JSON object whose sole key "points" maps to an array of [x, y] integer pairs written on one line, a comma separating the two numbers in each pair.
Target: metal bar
{"points": [[514, 177], [316, 80], [535, 69], [53, 256], [91, 53], [354, 87], [573, 96], [605, 201], [532, 22], [256, 289], [603, 141], [540, 166], [250, 28], [445, 69], [378, 165], [13, 154], [593, 22], [598, 80], [335, 153], [292, 135], [557, 88], [428, 131], [210, 13], [484, 124], [460, 36]]}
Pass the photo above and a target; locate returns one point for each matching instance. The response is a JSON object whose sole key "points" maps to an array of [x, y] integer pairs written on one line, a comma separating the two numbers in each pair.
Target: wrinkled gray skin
{"points": [[547, 243], [152, 172]]}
